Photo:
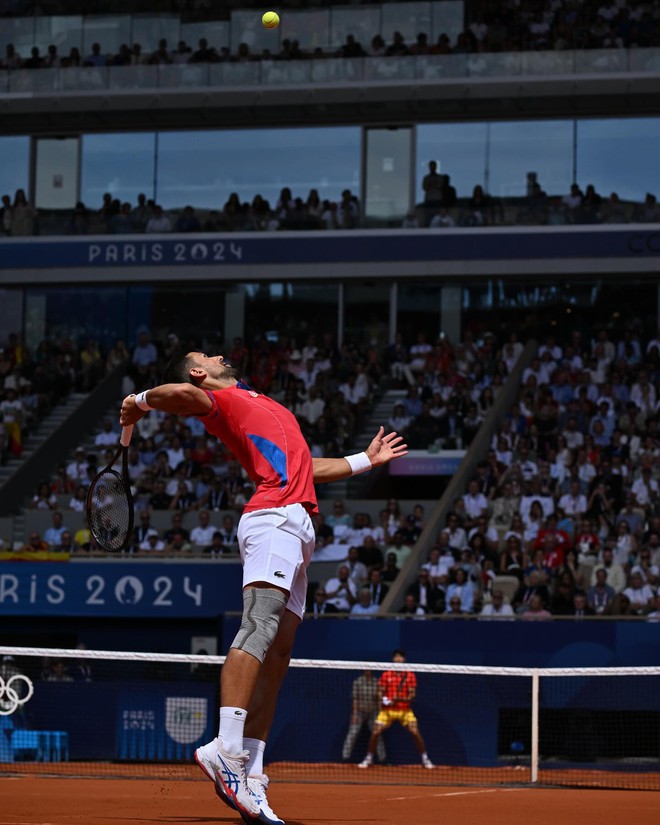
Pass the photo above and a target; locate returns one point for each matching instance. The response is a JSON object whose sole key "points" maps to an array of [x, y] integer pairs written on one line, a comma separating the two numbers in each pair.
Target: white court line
{"points": [[450, 793]]}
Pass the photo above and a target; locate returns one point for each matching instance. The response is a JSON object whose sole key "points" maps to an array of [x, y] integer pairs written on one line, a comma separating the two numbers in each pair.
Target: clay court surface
{"points": [[37, 800]]}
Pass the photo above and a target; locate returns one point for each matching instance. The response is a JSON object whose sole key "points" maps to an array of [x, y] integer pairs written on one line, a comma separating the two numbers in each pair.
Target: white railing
{"points": [[330, 70]]}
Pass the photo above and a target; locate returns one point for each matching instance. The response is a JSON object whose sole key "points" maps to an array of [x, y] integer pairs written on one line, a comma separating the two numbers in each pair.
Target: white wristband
{"points": [[141, 401], [359, 463]]}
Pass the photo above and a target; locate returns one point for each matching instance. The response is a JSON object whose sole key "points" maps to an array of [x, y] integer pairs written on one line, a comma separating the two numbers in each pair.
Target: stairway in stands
{"points": [[44, 429], [378, 415]]}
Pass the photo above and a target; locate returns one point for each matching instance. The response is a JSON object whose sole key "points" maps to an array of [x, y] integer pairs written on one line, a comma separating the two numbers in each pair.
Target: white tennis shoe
{"points": [[230, 778], [367, 762], [426, 762], [258, 784]]}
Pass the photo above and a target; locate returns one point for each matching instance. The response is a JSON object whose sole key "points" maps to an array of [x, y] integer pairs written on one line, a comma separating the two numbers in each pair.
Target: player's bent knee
{"points": [[262, 611]]}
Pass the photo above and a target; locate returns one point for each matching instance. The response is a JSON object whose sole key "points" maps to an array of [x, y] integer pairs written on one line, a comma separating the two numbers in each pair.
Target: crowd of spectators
{"points": [[440, 209], [175, 466], [504, 26], [33, 382], [566, 501], [18, 218], [562, 517]]}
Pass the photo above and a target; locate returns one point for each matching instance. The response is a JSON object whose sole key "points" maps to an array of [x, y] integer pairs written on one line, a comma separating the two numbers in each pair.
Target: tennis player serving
{"points": [[276, 542], [396, 690]]}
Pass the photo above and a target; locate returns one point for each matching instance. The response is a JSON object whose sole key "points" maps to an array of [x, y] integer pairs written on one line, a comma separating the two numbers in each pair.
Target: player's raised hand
{"points": [[384, 448], [130, 412]]}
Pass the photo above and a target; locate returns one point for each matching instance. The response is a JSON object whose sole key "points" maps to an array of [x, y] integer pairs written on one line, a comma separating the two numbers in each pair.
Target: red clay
{"points": [[30, 800]]}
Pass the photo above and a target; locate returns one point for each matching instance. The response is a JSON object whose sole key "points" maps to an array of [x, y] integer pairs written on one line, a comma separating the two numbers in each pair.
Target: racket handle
{"points": [[126, 433]]}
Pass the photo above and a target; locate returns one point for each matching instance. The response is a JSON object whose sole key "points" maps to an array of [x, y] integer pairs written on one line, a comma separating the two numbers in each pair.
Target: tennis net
{"points": [[117, 713]]}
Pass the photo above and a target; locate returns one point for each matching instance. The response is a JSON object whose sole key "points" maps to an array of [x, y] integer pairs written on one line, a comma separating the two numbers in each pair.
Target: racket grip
{"points": [[126, 433]]}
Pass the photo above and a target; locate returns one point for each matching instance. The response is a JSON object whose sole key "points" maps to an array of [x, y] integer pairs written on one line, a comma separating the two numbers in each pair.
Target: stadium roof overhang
{"points": [[596, 95]]}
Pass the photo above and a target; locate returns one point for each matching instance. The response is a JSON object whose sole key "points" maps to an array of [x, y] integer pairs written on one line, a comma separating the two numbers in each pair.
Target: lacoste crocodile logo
{"points": [[279, 574]]}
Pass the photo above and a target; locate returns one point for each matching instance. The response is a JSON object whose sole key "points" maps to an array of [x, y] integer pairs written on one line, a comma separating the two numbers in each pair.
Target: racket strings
{"points": [[110, 511]]}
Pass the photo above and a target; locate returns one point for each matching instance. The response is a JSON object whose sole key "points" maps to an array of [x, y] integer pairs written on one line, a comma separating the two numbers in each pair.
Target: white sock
{"points": [[255, 764], [232, 723]]}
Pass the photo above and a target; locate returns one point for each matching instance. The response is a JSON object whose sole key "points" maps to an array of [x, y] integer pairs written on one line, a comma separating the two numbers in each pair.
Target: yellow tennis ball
{"points": [[270, 19]]}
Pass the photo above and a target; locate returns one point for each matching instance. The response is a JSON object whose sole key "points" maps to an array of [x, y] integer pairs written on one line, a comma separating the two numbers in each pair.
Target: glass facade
{"points": [[203, 168], [281, 312], [121, 164], [14, 164], [614, 154]]}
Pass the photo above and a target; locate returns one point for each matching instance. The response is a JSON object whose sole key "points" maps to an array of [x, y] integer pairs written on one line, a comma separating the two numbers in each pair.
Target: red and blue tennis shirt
{"points": [[267, 441]]}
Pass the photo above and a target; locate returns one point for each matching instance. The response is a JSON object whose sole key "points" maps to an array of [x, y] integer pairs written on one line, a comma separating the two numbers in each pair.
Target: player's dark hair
{"points": [[177, 370], [399, 652]]}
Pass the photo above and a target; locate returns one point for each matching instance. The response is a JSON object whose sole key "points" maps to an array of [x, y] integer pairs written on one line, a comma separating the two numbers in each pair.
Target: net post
{"points": [[534, 766]]}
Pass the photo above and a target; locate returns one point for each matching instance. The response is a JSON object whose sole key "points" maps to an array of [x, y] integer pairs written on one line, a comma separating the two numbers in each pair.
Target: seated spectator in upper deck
{"points": [[427, 593], [497, 608], [460, 587], [411, 608], [159, 222], [364, 608], [640, 594]]}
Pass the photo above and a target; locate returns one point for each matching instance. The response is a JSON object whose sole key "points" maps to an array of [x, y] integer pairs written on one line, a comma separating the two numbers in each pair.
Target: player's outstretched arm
{"points": [[383, 448], [178, 399]]}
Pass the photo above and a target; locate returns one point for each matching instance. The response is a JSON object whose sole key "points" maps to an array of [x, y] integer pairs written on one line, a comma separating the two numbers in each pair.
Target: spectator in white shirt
{"points": [[497, 608], [312, 408], [616, 576], [159, 222], [357, 570], [145, 352], [574, 438], [645, 489], [399, 421], [308, 373], [574, 503], [456, 536], [642, 597], [107, 437], [202, 535], [363, 608], [341, 590], [53, 535], [77, 469], [359, 530], [152, 542], [476, 503]]}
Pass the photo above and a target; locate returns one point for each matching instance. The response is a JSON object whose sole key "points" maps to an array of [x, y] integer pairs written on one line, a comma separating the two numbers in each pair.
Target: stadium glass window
{"points": [[498, 156], [290, 309], [418, 305], [367, 312], [459, 150], [14, 164], [79, 313], [205, 168], [515, 149], [194, 312], [121, 164], [619, 155]]}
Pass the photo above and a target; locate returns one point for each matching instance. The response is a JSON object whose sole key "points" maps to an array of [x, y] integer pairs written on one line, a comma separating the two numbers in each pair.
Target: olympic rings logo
{"points": [[11, 697]]}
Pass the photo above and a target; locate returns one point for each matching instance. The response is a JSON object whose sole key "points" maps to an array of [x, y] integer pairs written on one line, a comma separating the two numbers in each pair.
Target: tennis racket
{"points": [[110, 503]]}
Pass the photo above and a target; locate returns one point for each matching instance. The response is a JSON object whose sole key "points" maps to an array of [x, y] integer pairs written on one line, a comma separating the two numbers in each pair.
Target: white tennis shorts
{"points": [[276, 546]]}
